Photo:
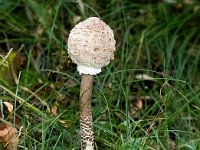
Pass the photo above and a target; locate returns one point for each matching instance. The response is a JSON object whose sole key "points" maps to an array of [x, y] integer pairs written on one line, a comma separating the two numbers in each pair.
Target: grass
{"points": [[157, 39]]}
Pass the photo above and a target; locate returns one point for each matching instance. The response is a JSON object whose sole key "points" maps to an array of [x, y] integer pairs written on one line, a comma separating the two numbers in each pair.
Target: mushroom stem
{"points": [[87, 139]]}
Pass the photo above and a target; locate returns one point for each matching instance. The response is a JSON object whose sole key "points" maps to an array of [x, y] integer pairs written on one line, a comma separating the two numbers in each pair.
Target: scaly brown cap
{"points": [[91, 45]]}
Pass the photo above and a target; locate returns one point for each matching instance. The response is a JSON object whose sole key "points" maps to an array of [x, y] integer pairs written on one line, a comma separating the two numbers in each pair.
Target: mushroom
{"points": [[91, 45]]}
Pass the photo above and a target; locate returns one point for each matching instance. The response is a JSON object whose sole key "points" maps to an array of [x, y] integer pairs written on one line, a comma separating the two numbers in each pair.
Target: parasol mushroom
{"points": [[91, 45]]}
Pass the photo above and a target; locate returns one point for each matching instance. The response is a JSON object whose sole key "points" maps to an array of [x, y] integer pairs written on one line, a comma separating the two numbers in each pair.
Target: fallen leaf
{"points": [[54, 109], [139, 104], [8, 136], [9, 106]]}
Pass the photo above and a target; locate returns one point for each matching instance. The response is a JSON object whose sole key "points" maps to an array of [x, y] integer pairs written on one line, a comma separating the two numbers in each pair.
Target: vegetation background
{"points": [[148, 97]]}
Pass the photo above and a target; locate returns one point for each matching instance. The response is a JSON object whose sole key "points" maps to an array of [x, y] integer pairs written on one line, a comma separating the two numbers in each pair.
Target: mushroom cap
{"points": [[91, 45]]}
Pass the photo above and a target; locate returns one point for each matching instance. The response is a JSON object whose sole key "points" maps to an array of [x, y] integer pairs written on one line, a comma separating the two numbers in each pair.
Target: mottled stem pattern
{"points": [[87, 138]]}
